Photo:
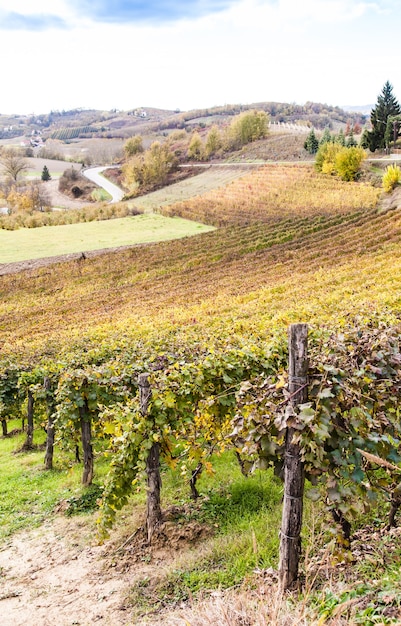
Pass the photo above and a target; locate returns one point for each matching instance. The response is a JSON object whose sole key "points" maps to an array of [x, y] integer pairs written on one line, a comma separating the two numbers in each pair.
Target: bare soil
{"points": [[57, 574], [49, 576]]}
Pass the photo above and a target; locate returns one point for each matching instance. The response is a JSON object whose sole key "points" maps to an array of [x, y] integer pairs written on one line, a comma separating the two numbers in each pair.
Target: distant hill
{"points": [[364, 109], [67, 126]]}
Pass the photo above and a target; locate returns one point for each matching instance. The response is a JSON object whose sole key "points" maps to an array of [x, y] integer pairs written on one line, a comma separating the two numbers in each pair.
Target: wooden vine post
{"points": [[28, 444], [294, 478], [86, 437], [153, 505], [50, 431]]}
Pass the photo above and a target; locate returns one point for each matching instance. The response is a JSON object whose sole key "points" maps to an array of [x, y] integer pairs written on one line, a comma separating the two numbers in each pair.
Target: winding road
{"points": [[95, 175]]}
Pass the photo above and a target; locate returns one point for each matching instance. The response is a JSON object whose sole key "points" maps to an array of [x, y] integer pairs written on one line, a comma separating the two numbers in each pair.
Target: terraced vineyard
{"points": [[286, 229]]}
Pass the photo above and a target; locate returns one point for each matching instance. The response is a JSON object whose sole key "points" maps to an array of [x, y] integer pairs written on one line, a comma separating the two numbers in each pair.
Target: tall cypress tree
{"points": [[387, 106]]}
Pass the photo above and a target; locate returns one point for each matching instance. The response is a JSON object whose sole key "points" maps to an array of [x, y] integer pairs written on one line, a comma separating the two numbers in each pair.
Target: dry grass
{"points": [[263, 607]]}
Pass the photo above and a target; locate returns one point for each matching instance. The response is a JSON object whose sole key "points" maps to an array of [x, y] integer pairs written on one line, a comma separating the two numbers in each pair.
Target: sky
{"points": [[189, 54]]}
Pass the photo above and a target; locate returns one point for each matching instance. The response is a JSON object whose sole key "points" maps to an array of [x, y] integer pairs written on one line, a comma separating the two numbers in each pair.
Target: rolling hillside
{"points": [[291, 244]]}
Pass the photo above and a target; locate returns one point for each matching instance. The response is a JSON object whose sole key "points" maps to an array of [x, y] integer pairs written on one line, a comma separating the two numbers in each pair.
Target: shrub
{"points": [[326, 157], [333, 158], [69, 175], [391, 178], [89, 213], [348, 162]]}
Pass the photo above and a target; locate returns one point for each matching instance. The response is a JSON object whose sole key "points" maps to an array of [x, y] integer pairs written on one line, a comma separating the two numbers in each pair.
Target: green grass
{"points": [[36, 243], [243, 515], [101, 195], [242, 519], [28, 492]]}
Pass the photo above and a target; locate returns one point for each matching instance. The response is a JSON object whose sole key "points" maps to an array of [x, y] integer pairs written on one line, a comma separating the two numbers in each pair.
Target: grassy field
{"points": [[35, 243]]}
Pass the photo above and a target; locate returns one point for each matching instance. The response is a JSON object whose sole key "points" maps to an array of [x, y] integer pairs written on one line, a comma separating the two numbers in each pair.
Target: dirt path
{"points": [[57, 575], [51, 576]]}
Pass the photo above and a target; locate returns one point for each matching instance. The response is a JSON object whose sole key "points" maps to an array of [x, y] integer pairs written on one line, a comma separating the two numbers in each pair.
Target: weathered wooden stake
{"points": [[87, 449], [50, 427], [291, 524], [28, 445], [153, 506]]}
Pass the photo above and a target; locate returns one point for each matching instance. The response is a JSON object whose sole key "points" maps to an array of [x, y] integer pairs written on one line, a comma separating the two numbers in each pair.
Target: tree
{"points": [[364, 141], [32, 197], [45, 174], [340, 138], [311, 144], [133, 146], [195, 149], [382, 127], [326, 157], [326, 137], [351, 141], [213, 141], [332, 158], [247, 127], [13, 163], [150, 168], [18, 201]]}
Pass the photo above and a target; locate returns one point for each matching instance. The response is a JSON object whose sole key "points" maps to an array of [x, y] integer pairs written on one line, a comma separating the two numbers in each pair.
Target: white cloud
{"points": [[256, 50], [323, 11]]}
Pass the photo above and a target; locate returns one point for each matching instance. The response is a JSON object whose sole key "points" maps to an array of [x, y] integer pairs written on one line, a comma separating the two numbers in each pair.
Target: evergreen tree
{"points": [[351, 141], [364, 142], [341, 138], [311, 144], [387, 106], [326, 137], [45, 174]]}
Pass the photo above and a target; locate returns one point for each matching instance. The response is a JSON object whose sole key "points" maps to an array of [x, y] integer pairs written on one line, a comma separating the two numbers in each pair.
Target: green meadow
{"points": [[48, 241]]}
